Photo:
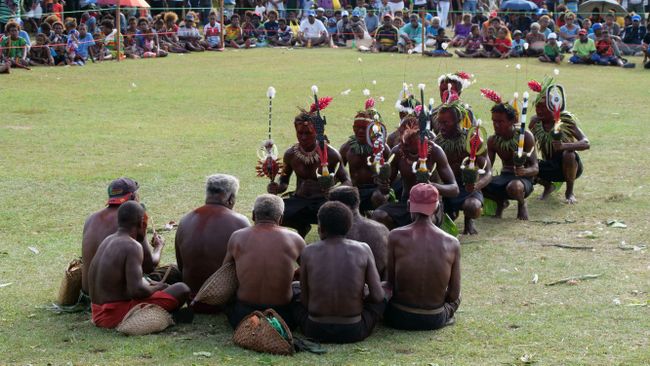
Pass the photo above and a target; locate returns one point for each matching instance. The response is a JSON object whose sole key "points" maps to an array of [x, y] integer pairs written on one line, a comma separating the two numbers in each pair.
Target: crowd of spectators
{"points": [[553, 33]]}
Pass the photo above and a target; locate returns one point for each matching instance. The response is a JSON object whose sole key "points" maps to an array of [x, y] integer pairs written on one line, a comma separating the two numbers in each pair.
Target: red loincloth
{"points": [[109, 315]]}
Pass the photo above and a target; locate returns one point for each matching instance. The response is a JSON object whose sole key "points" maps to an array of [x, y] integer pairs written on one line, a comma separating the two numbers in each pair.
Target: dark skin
{"points": [[332, 276], [567, 149], [265, 256], [306, 180], [449, 129], [442, 88], [504, 127], [100, 225], [372, 233], [442, 178], [423, 264], [115, 273], [360, 172], [202, 238]]}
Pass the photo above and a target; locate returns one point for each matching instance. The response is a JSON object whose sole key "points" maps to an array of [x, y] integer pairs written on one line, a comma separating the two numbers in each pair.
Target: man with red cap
{"points": [[423, 268], [104, 223], [583, 49]]}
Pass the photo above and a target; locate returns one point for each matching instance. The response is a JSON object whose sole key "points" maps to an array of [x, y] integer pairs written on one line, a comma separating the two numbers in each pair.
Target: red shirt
{"points": [[502, 45], [57, 9], [604, 48]]}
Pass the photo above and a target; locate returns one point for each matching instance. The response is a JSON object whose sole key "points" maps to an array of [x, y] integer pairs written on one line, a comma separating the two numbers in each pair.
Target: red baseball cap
{"points": [[423, 199], [121, 190], [582, 32]]}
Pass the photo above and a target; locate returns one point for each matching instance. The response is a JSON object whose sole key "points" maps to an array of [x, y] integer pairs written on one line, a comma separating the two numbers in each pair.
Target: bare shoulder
{"points": [[333, 152], [344, 148], [359, 246], [241, 219], [450, 241], [375, 226]]}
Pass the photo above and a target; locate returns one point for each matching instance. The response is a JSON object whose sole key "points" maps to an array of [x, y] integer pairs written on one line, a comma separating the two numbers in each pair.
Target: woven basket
{"points": [[254, 332], [219, 288], [145, 319], [71, 284]]}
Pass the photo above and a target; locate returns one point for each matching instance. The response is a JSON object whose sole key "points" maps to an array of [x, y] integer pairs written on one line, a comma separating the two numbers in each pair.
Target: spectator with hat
{"points": [[103, 223], [386, 36], [552, 52], [312, 31], [583, 49], [344, 30], [634, 35]]}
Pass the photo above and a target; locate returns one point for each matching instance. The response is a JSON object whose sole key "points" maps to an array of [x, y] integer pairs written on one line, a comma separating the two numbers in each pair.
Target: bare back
{"points": [[108, 272], [332, 277], [265, 257], [423, 265], [202, 240], [98, 226], [375, 235]]}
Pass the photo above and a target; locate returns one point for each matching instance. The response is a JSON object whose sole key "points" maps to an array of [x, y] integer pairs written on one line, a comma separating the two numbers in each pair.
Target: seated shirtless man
{"points": [[303, 159], [423, 269], [115, 275], [265, 256], [364, 230], [356, 153], [203, 234], [104, 223], [406, 155], [333, 273]]}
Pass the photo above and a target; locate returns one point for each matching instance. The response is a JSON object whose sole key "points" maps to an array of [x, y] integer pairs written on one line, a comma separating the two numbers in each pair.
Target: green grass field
{"points": [[66, 132]]}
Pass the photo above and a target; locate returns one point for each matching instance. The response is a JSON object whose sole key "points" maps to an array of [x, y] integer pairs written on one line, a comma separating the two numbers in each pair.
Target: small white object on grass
{"points": [[366, 92], [535, 279], [5, 284], [616, 301], [34, 250], [518, 66], [556, 71], [381, 99], [374, 82], [346, 92]]}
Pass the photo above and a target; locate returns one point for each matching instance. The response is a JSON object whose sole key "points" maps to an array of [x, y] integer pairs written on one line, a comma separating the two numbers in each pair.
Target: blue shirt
{"points": [[84, 44], [415, 34], [23, 34]]}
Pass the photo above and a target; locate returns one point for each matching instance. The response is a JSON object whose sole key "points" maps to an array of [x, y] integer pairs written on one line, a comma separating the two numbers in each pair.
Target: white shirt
{"points": [[312, 30]]}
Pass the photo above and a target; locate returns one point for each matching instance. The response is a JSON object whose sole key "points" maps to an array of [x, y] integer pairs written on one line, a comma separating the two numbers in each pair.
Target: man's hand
{"points": [[557, 146], [157, 242], [469, 188], [273, 188], [520, 171], [158, 286]]}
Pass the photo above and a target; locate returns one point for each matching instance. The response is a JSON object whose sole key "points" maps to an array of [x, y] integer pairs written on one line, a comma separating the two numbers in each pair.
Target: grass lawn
{"points": [[66, 132]]}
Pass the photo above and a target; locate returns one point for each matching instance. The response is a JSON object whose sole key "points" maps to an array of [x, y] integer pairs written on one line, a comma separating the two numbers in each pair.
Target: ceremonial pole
{"points": [[119, 27], [221, 28], [423, 35]]}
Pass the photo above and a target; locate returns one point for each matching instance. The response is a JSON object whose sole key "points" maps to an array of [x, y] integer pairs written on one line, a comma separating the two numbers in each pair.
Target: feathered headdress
{"points": [[322, 104], [460, 77], [540, 88], [496, 99], [406, 102]]}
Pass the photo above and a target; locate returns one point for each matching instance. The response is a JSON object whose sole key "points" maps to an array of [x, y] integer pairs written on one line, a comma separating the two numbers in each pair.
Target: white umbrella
{"points": [[604, 6]]}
